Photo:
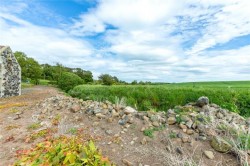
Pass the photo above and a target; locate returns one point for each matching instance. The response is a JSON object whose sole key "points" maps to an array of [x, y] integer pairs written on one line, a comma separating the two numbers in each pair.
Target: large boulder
{"points": [[171, 120], [202, 101], [220, 145], [129, 110]]}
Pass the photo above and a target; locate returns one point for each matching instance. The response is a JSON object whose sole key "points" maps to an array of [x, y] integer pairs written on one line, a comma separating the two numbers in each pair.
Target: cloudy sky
{"points": [[149, 40]]}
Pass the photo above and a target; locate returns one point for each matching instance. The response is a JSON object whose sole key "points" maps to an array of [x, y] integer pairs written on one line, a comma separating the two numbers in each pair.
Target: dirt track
{"points": [[13, 132]]}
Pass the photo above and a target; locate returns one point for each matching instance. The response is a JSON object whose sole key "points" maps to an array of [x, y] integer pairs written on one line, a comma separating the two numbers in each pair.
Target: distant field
{"points": [[221, 84], [234, 96]]}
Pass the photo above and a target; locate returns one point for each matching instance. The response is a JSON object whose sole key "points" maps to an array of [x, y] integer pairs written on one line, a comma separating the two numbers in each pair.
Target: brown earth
{"points": [[158, 151]]}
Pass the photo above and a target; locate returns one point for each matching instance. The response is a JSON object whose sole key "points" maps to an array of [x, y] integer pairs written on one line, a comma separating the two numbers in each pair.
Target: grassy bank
{"points": [[234, 96]]}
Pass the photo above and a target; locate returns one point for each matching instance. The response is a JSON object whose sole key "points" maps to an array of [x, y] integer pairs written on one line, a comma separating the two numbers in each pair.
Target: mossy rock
{"points": [[220, 145]]}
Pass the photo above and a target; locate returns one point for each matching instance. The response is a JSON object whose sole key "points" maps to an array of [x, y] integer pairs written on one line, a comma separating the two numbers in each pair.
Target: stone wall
{"points": [[10, 73]]}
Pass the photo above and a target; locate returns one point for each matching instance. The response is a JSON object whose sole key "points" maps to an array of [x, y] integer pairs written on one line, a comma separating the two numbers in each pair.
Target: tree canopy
{"points": [[30, 67], [59, 74]]}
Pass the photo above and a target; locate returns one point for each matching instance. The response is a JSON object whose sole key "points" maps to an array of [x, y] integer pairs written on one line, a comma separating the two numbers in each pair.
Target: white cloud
{"points": [[231, 21], [90, 24], [142, 39], [45, 44]]}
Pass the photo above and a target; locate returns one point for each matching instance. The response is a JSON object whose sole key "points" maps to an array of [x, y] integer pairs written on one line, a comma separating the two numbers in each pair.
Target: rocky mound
{"points": [[221, 133]]}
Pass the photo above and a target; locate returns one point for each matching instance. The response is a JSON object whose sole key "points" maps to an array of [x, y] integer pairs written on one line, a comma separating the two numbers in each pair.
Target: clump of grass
{"points": [[172, 135], [34, 126], [178, 119], [239, 139], [120, 102], [243, 141], [241, 144], [150, 132]]}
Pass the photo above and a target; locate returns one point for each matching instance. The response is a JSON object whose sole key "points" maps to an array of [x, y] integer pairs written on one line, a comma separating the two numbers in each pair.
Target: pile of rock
{"points": [[201, 118]]}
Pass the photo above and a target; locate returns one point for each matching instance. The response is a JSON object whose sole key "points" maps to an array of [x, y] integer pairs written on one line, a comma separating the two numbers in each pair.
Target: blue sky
{"points": [[159, 41]]}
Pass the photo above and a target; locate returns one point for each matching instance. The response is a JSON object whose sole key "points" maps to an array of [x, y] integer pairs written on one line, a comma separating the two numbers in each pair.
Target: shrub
{"points": [[34, 126], [106, 79], [62, 151], [68, 81]]}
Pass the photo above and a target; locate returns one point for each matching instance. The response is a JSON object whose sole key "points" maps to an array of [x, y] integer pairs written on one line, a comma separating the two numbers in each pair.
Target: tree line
{"points": [[64, 77]]}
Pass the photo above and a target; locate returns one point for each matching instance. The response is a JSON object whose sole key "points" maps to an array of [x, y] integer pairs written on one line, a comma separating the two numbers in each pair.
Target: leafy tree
{"points": [[48, 71], [30, 67], [22, 60], [68, 81], [85, 75], [123, 82], [57, 72], [134, 82], [141, 83], [106, 79], [116, 80]]}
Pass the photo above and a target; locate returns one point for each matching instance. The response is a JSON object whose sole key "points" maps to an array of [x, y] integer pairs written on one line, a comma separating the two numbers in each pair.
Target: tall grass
{"points": [[163, 97]]}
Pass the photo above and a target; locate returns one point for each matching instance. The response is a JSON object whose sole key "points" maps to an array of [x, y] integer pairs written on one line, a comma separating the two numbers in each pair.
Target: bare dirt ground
{"points": [[157, 151], [13, 132]]}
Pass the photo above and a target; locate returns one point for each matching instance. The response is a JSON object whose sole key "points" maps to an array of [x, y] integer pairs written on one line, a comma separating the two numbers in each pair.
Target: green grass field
{"points": [[221, 84], [233, 95], [41, 82], [26, 85]]}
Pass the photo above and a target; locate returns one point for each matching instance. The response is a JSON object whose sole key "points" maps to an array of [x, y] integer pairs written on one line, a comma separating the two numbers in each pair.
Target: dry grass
{"points": [[12, 126], [232, 134], [13, 105]]}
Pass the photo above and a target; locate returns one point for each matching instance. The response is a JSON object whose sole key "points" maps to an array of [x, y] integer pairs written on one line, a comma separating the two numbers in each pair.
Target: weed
{"points": [[34, 126], [244, 141], [62, 151], [159, 128], [72, 131], [178, 119], [172, 135], [120, 102], [39, 134], [150, 132]]}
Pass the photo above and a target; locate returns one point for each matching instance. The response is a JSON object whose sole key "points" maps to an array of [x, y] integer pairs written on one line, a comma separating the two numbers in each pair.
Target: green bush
{"points": [[68, 81]]}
